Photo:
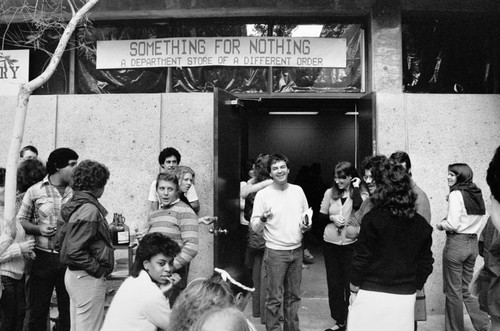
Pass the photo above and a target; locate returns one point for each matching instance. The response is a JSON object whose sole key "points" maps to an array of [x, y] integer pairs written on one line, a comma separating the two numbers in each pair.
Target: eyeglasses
{"points": [[341, 177], [366, 178]]}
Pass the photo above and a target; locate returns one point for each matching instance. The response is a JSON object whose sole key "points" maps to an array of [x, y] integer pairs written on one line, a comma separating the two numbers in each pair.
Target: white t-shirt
{"points": [[190, 195]]}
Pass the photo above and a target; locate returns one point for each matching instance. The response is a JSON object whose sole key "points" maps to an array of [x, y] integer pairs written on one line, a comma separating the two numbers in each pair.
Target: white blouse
{"points": [[457, 220]]}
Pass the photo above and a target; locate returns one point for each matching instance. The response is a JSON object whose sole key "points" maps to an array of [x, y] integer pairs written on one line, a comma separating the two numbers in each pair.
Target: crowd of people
{"points": [[376, 241]]}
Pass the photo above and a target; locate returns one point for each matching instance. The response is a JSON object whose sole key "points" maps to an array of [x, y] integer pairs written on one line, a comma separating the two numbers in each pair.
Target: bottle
{"points": [[120, 232]]}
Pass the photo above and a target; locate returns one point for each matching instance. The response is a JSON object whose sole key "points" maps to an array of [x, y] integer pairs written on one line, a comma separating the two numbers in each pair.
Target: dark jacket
{"points": [[393, 254], [83, 236]]}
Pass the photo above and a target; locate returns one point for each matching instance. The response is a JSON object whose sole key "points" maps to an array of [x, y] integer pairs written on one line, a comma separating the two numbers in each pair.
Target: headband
{"points": [[226, 276]]}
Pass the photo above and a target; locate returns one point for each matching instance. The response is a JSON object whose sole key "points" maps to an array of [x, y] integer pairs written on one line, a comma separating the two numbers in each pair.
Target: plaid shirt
{"points": [[42, 205]]}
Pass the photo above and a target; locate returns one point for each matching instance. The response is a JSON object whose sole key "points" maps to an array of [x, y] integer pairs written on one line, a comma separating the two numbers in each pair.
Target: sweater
{"points": [[283, 230], [178, 222], [393, 254]]}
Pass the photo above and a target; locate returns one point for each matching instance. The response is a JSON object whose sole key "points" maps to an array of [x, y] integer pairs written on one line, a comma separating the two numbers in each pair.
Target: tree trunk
{"points": [[25, 92]]}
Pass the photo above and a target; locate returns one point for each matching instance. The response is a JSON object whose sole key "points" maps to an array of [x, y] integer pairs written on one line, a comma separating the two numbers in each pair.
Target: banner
{"points": [[14, 70], [223, 51]]}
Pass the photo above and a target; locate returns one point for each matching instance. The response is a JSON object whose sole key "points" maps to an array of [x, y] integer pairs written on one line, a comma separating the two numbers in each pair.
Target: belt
{"points": [[451, 233]]}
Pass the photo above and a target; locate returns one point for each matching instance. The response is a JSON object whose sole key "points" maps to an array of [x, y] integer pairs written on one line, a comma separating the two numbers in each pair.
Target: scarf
{"points": [[473, 198]]}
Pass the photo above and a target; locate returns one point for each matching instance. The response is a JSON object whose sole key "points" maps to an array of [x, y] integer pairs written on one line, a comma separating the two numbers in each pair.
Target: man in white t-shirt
{"points": [[169, 159], [279, 211]]}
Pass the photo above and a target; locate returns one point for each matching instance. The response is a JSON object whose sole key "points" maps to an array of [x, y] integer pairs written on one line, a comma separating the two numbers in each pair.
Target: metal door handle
{"points": [[224, 231]]}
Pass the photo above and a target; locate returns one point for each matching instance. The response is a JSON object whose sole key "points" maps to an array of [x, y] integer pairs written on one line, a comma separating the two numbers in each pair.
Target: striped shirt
{"points": [[178, 222], [42, 205]]}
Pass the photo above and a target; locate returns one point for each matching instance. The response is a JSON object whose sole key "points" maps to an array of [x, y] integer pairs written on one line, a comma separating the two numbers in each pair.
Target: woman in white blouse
{"points": [[465, 215]]}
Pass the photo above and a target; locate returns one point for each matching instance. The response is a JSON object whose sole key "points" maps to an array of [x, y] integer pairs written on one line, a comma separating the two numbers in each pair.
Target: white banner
{"points": [[14, 70], [223, 51]]}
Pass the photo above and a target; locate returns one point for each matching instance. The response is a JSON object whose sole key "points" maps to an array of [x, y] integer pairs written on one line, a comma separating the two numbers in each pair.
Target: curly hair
{"points": [[394, 192], [198, 297], [30, 172], [493, 175], [152, 244], [371, 161], [89, 175], [343, 169], [167, 152]]}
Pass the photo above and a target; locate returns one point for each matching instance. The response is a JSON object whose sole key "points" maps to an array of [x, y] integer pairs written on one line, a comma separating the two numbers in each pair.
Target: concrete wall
{"points": [[126, 133], [437, 130]]}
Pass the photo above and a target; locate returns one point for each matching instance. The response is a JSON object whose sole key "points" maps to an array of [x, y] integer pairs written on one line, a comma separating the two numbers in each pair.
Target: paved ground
{"points": [[314, 313]]}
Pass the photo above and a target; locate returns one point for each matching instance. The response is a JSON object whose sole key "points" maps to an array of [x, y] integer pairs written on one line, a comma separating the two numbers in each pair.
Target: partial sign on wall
{"points": [[222, 51], [14, 70]]}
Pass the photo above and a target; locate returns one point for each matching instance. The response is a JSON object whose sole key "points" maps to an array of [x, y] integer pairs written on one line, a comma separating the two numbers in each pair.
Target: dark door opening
{"points": [[314, 131]]}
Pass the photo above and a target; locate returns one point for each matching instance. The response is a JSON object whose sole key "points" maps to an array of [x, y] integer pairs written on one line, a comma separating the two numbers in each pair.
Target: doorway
{"points": [[322, 132]]}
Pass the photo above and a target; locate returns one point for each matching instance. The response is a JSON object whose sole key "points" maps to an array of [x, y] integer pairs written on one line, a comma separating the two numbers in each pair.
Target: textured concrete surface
{"points": [[436, 130], [187, 124], [40, 127]]}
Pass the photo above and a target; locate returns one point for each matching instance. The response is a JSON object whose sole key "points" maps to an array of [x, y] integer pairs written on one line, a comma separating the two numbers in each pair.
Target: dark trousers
{"points": [[338, 262], [180, 286], [47, 273], [12, 304]]}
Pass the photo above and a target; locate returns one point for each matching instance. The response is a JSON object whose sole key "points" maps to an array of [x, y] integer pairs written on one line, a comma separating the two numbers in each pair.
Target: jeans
{"points": [[87, 295], [338, 263], [284, 275], [459, 257], [12, 304], [47, 273]]}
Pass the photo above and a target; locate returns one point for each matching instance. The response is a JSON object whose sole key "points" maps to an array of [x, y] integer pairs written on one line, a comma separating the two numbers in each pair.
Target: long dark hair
{"points": [[394, 191], [343, 169]]}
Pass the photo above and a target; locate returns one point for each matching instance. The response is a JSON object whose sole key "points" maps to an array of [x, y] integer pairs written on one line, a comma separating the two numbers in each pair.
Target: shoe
{"points": [[336, 327], [308, 257]]}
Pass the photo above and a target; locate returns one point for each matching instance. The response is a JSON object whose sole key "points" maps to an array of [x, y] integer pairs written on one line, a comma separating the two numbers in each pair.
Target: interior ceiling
{"points": [[321, 105]]}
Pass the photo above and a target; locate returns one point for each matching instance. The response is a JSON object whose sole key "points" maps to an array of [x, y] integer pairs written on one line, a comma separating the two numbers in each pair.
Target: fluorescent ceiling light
{"points": [[293, 113], [352, 113]]}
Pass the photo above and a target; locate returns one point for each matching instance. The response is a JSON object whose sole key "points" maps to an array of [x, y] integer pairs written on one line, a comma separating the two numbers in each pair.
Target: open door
{"points": [[227, 156], [366, 138]]}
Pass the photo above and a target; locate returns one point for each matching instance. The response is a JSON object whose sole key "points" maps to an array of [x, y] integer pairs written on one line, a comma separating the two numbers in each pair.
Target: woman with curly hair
{"points": [[85, 246], [393, 257], [462, 224], [198, 297], [337, 208], [140, 303]]}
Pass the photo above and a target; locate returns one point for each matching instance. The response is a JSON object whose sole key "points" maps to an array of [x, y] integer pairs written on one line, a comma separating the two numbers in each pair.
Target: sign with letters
{"points": [[14, 70], [222, 51]]}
